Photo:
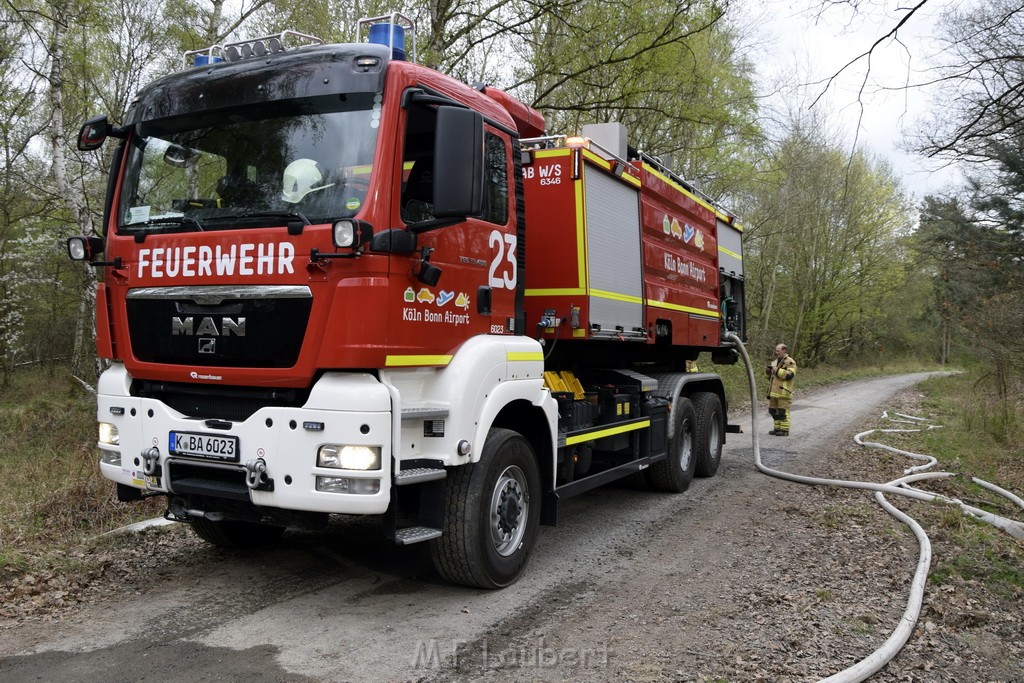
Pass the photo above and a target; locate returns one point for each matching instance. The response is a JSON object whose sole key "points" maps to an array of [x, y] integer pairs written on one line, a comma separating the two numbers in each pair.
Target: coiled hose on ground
{"points": [[901, 487]]}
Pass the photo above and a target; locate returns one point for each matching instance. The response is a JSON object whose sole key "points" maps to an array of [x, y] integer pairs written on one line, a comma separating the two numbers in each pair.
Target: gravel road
{"points": [[742, 578]]}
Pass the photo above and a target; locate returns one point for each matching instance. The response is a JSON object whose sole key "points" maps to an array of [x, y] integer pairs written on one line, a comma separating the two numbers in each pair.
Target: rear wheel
{"points": [[234, 534], [492, 510], [675, 473], [708, 408]]}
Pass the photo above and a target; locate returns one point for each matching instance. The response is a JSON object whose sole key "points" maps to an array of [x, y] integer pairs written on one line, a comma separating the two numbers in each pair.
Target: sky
{"points": [[799, 47]]}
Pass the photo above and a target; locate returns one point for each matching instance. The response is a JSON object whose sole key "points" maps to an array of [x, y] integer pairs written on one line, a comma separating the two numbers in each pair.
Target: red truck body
{"points": [[340, 282]]}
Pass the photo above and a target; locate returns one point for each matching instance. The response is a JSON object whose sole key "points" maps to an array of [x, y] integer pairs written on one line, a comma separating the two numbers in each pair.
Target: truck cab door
{"points": [[456, 197]]}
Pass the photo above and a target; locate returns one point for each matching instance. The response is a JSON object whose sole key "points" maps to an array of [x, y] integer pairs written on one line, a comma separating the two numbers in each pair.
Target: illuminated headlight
{"points": [[77, 249], [108, 434], [344, 234], [345, 485], [348, 457]]}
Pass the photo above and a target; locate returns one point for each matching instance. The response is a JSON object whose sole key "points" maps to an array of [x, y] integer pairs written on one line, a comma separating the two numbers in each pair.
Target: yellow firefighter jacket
{"points": [[782, 372]]}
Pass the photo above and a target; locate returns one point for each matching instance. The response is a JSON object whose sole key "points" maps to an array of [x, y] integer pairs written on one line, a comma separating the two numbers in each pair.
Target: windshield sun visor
{"points": [[307, 73]]}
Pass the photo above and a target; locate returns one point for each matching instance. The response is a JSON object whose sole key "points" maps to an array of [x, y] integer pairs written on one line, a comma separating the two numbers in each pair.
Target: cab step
{"points": [[415, 534], [419, 475], [425, 412]]}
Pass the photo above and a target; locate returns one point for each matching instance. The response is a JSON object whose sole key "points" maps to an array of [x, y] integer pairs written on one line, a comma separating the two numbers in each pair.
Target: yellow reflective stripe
{"points": [[579, 333], [581, 246], [524, 355], [608, 166], [597, 160], [406, 361], [611, 431], [684, 309], [615, 296], [653, 171], [556, 292], [730, 253], [547, 153]]}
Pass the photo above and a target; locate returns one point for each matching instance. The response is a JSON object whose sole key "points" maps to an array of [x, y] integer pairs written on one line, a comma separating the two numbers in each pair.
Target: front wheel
{"points": [[491, 514], [235, 534]]}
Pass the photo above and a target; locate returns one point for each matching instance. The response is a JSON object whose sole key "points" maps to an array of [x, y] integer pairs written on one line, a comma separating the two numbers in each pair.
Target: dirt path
{"points": [[742, 578]]}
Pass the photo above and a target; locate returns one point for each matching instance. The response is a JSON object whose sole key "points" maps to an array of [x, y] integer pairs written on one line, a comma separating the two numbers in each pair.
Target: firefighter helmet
{"points": [[300, 178]]}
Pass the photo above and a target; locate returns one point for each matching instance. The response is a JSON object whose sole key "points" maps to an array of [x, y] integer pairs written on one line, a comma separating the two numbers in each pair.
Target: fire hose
{"points": [[901, 487]]}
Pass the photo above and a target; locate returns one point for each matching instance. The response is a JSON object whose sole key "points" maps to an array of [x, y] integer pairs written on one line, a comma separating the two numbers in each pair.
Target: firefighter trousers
{"points": [[778, 408]]}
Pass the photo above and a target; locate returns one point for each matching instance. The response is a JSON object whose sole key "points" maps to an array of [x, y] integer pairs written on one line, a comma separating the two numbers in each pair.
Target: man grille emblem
{"points": [[207, 345]]}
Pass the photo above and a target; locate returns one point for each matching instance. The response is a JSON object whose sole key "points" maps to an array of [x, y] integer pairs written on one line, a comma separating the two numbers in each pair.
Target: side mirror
{"points": [[394, 241], [458, 163], [82, 248], [180, 156], [94, 133]]}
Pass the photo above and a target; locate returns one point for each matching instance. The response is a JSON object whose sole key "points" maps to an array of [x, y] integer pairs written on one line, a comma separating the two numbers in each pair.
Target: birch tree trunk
{"points": [[60, 12]]}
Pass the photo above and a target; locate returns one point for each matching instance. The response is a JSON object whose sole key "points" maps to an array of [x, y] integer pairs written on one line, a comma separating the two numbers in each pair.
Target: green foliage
{"points": [[737, 384], [51, 490], [983, 437], [672, 74], [825, 253]]}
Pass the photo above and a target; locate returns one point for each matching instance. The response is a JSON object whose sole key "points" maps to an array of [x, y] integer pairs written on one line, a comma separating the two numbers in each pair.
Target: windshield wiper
{"points": [[294, 228], [140, 230], [273, 213]]}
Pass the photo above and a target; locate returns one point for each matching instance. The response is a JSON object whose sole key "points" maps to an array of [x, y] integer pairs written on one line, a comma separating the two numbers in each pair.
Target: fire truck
{"points": [[337, 282]]}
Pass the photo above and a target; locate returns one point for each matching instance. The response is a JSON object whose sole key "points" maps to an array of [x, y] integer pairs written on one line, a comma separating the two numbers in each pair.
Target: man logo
{"points": [[208, 327], [208, 345]]}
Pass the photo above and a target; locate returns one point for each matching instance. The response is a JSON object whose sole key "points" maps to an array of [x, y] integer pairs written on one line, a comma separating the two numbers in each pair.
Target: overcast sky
{"points": [[804, 45]]}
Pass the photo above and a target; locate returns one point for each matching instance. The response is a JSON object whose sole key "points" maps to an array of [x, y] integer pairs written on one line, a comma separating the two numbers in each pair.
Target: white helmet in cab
{"points": [[300, 178]]}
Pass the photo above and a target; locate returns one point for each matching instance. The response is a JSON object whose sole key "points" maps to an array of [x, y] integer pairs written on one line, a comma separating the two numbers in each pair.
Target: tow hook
{"points": [[150, 462], [178, 511], [256, 476]]}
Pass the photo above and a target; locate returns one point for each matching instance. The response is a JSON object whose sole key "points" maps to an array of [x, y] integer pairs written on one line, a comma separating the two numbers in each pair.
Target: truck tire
{"points": [[491, 514], [708, 408], [234, 534], [674, 473]]}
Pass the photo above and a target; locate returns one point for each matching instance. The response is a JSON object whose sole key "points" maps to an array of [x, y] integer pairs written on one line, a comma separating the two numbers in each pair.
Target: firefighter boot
{"points": [[782, 422]]}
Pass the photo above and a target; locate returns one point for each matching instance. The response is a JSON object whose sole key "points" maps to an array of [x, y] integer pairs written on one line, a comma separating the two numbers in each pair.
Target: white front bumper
{"points": [[354, 409]]}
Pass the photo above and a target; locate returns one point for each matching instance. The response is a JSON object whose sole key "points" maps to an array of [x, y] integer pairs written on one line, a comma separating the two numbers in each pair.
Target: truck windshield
{"points": [[239, 168]]}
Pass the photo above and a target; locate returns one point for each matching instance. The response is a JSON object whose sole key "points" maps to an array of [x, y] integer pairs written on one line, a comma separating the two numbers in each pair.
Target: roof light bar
{"points": [[254, 47]]}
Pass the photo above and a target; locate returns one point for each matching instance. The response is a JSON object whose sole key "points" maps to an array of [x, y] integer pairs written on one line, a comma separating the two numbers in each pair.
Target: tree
{"points": [[671, 73], [981, 79], [825, 248]]}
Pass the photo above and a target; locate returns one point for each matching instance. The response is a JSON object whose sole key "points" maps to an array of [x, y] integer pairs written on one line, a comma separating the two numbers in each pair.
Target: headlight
{"points": [[77, 249], [365, 487], [344, 234], [108, 434], [348, 457]]}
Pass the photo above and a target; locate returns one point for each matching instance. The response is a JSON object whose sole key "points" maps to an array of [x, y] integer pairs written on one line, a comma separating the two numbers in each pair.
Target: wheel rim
{"points": [[510, 507], [685, 445]]}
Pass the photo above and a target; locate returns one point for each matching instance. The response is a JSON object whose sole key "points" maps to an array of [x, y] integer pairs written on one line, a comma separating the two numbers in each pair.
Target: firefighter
{"points": [[781, 372]]}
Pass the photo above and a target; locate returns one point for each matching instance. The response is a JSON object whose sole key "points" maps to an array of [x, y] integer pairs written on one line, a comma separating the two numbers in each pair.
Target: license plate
{"points": [[210, 446]]}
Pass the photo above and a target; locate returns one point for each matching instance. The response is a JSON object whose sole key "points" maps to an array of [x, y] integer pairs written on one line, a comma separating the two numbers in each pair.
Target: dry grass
{"points": [[52, 495]]}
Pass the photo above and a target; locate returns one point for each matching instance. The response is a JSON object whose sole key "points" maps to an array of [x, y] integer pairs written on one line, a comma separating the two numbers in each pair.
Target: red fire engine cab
{"points": [[337, 281]]}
